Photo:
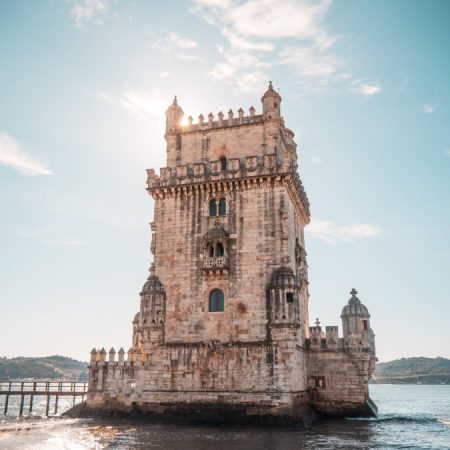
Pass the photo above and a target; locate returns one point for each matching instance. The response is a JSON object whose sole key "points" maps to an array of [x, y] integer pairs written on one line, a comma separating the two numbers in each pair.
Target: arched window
{"points": [[210, 250], [216, 301], [220, 251], [213, 207], [222, 206], [223, 163]]}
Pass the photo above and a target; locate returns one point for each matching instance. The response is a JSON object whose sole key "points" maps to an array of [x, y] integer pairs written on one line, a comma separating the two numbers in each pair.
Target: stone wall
{"points": [[338, 381]]}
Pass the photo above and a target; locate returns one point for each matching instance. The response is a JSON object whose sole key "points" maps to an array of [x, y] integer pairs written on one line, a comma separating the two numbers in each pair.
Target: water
{"points": [[410, 417]]}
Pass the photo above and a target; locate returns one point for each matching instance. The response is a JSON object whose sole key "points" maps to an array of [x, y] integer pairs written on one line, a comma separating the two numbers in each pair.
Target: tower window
{"points": [[365, 325], [290, 297], [211, 250], [216, 301], [213, 207], [222, 206], [223, 163], [220, 251]]}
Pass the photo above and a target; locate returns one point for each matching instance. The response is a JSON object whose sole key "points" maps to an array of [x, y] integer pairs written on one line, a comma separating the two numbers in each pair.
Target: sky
{"points": [[83, 89]]}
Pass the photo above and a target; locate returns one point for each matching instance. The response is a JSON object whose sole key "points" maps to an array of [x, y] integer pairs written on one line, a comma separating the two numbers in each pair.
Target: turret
{"points": [[174, 115], [153, 310], [284, 302], [271, 101], [356, 325]]}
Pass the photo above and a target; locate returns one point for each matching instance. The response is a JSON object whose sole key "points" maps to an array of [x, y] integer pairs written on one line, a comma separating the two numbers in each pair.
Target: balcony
{"points": [[215, 263]]}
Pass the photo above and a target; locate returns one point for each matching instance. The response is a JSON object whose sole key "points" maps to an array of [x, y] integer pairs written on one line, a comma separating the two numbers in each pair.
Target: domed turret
{"points": [[152, 285], [356, 325], [355, 307], [271, 101], [174, 114], [284, 278], [283, 294]]}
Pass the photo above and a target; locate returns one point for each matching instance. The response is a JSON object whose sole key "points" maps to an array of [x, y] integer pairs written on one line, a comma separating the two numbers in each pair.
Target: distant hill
{"points": [[48, 367], [413, 371], [401, 371]]}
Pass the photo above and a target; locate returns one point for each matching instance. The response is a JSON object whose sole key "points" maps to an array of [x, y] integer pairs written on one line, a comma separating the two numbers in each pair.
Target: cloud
{"points": [[172, 41], [12, 155], [447, 152], [332, 233], [182, 42], [316, 160], [262, 34], [164, 74], [187, 57], [139, 103], [84, 12], [428, 109], [367, 90]]}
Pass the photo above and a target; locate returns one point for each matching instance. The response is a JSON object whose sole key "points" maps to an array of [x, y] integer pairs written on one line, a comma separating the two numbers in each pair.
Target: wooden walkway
{"points": [[31, 389]]}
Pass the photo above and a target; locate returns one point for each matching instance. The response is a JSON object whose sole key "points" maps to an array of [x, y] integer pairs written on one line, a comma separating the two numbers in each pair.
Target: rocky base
{"points": [[200, 413]]}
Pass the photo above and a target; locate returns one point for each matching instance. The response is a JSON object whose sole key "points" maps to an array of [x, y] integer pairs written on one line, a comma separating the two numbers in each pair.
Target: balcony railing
{"points": [[215, 262]]}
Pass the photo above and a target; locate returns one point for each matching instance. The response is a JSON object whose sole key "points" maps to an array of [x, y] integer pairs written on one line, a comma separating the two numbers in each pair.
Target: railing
{"points": [[216, 262], [56, 389]]}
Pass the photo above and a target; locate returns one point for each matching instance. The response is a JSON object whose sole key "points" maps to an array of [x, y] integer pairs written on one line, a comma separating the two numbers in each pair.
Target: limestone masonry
{"points": [[222, 333]]}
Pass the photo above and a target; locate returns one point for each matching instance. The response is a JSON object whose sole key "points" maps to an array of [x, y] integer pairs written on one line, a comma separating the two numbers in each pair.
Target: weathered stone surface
{"points": [[222, 332]]}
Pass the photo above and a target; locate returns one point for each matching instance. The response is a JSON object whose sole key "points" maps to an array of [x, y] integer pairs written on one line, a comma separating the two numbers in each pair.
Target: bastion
{"points": [[222, 333]]}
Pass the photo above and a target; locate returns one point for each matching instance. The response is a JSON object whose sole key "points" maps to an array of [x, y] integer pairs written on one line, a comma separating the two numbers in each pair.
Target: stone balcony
{"points": [[215, 262]]}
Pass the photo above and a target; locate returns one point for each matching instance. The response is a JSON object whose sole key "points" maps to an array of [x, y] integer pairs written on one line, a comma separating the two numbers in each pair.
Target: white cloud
{"points": [[164, 74], [428, 109], [316, 160], [140, 104], [332, 233], [12, 155], [447, 152], [310, 62], [267, 33], [187, 57], [84, 12], [182, 42], [367, 89]]}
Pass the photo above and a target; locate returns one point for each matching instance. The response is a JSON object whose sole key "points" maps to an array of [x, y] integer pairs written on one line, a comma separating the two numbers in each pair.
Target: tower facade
{"points": [[223, 324]]}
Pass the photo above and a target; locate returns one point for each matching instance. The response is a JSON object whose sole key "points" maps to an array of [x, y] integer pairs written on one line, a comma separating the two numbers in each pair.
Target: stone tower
{"points": [[223, 324]]}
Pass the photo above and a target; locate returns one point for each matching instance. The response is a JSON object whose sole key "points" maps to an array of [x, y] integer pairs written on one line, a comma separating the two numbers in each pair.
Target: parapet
{"points": [[328, 340], [98, 357], [222, 121], [237, 168]]}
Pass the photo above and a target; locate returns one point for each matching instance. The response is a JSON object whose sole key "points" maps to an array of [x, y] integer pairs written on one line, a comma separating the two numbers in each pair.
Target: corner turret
{"points": [[356, 324], [271, 101], [174, 115], [149, 322]]}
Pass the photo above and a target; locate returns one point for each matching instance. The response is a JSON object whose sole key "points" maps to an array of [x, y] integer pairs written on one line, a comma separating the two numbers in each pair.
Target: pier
{"points": [[28, 390]]}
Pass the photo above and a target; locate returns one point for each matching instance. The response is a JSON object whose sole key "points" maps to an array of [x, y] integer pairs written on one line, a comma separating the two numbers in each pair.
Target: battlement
{"points": [[222, 121], [237, 169]]}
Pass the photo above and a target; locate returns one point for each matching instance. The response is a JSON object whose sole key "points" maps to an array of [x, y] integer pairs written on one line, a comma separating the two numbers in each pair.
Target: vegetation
{"points": [[49, 367], [413, 371]]}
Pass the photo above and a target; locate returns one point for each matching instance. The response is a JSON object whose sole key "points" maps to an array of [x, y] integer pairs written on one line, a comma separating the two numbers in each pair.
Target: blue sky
{"points": [[83, 89]]}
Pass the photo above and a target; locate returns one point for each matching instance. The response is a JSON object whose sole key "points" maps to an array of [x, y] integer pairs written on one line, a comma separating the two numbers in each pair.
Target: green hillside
{"points": [[413, 371], [49, 367]]}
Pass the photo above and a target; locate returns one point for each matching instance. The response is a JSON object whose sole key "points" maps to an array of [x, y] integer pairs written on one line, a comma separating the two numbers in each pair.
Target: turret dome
{"points": [[153, 284], [271, 92], [355, 307], [284, 277]]}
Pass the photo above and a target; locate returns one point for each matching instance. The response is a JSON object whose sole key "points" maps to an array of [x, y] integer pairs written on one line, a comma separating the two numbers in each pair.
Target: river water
{"points": [[410, 416]]}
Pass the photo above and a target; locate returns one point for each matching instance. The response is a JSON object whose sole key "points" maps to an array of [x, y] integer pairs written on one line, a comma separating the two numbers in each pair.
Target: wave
{"points": [[404, 419], [444, 422]]}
